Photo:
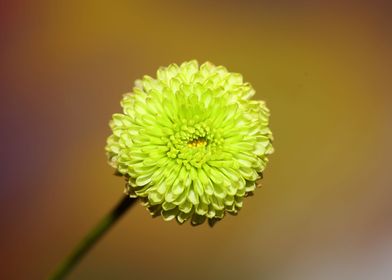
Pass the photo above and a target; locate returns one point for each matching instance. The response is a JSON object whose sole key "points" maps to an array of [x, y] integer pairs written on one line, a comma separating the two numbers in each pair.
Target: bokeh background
{"points": [[324, 69]]}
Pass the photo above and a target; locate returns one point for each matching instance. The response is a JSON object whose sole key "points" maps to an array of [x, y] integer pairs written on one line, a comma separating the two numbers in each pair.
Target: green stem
{"points": [[88, 242]]}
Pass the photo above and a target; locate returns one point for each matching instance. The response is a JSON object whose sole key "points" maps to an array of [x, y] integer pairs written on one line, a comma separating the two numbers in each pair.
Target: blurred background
{"points": [[323, 67]]}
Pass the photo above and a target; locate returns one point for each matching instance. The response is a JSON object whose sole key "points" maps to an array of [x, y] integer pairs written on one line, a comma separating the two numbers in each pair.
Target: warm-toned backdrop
{"points": [[323, 68]]}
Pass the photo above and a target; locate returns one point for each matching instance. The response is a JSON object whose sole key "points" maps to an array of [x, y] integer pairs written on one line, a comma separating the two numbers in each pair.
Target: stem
{"points": [[88, 242]]}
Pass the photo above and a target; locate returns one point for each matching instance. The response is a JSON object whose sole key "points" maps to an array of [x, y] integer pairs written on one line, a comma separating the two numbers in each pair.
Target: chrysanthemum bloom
{"points": [[191, 143]]}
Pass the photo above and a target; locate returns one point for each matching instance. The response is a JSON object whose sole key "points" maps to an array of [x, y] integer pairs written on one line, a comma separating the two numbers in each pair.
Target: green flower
{"points": [[191, 143]]}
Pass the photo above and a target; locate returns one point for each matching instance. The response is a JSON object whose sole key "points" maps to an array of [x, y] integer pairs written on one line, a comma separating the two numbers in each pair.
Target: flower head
{"points": [[191, 143]]}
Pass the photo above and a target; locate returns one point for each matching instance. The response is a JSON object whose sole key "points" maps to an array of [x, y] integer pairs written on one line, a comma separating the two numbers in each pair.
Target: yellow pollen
{"points": [[196, 143]]}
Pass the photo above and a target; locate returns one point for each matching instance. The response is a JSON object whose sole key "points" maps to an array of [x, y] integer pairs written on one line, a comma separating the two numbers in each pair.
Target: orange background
{"points": [[323, 67]]}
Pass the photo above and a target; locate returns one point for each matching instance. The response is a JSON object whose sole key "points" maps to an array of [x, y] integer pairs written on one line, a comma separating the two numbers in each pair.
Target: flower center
{"points": [[191, 144], [197, 142]]}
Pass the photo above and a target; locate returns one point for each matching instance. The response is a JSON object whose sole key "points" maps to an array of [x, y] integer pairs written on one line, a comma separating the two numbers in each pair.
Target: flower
{"points": [[191, 143]]}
